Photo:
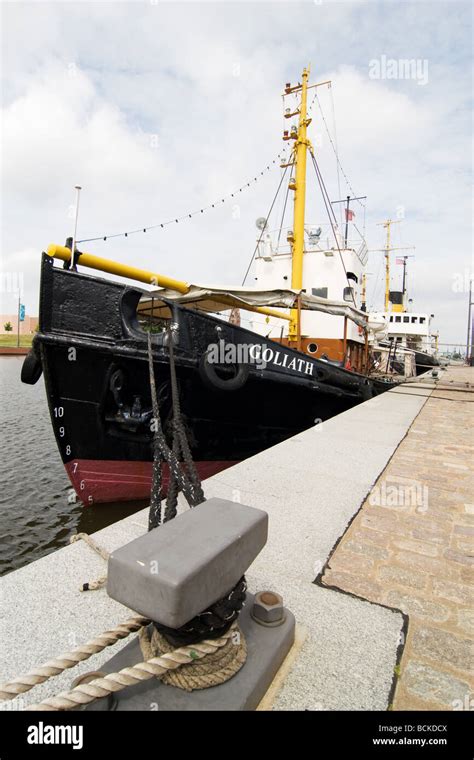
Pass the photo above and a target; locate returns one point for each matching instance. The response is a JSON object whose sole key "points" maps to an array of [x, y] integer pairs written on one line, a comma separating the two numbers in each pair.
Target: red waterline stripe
{"points": [[101, 481]]}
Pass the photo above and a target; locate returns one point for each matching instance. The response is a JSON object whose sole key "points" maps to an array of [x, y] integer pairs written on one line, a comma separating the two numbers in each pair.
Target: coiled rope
{"points": [[215, 669]]}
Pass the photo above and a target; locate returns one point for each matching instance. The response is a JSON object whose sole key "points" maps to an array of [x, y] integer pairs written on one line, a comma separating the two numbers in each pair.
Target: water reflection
{"points": [[35, 516]]}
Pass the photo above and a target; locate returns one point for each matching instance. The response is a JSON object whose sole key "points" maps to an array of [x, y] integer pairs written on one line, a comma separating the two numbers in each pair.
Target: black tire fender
{"points": [[211, 379], [31, 369]]}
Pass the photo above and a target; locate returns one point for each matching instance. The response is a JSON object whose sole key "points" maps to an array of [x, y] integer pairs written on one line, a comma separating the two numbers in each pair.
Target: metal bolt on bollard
{"points": [[268, 609]]}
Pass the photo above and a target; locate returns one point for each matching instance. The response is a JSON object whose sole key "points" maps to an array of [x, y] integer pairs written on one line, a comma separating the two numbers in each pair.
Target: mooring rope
{"points": [[85, 693], [180, 439], [90, 542], [154, 514], [58, 665], [100, 582], [187, 480]]}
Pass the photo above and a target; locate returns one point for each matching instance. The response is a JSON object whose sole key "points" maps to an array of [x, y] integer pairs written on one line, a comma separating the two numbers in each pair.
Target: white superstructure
{"points": [[411, 330], [328, 272]]}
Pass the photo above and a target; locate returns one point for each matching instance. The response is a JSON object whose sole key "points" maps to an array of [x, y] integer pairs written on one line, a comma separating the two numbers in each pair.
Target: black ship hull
{"points": [[93, 353], [424, 362]]}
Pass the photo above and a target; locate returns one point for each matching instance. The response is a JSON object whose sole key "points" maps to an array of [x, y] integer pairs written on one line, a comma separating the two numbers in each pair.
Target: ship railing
{"points": [[277, 242], [267, 249]]}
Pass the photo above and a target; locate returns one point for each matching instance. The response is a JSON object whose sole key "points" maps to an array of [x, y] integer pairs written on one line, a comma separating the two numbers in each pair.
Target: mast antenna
{"points": [[78, 189]]}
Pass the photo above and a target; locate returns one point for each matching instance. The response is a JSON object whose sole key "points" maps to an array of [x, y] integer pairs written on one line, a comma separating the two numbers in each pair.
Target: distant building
{"points": [[27, 327]]}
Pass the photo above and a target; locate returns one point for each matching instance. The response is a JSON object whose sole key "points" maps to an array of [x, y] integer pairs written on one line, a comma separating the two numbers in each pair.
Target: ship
{"points": [[308, 353], [405, 329]]}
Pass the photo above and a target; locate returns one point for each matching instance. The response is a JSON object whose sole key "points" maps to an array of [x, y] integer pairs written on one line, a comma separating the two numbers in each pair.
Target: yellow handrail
{"points": [[151, 278], [122, 270]]}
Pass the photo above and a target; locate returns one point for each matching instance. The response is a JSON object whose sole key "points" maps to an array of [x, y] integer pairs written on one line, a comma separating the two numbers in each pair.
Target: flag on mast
{"points": [[349, 215], [399, 261]]}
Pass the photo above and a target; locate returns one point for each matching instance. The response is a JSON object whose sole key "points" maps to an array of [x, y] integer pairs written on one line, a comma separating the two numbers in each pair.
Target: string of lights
{"points": [[184, 217]]}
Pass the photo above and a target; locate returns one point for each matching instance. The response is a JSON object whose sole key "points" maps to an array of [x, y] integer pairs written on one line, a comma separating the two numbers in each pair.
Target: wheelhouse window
{"points": [[320, 292], [391, 318], [348, 294], [422, 320], [414, 320], [398, 319], [406, 319]]}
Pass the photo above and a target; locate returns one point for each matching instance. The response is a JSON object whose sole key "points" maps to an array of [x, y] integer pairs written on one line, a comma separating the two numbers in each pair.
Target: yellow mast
{"points": [[299, 187], [387, 264], [387, 224], [387, 251]]}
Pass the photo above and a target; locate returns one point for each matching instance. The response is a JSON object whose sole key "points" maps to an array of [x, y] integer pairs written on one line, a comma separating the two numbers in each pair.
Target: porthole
{"points": [[312, 348]]}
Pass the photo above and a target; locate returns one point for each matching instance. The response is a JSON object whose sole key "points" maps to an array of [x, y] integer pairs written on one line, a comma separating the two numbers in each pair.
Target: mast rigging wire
{"points": [[324, 191], [263, 230], [336, 151], [329, 211], [338, 163], [283, 215], [376, 286]]}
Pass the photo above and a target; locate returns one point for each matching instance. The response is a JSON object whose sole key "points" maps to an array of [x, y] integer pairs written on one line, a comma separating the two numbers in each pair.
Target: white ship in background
{"points": [[405, 329]]}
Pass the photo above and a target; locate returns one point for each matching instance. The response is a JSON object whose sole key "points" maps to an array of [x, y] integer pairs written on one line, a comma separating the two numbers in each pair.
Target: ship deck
{"points": [[376, 589]]}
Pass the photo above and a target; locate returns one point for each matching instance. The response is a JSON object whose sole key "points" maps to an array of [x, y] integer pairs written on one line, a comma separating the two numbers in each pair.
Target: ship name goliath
{"points": [[268, 355]]}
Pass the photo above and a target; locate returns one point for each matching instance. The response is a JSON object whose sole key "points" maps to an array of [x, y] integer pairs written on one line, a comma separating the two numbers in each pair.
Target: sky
{"points": [[158, 109]]}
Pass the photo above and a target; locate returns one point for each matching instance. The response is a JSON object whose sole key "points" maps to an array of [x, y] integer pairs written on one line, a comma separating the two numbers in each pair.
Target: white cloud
{"points": [[96, 81]]}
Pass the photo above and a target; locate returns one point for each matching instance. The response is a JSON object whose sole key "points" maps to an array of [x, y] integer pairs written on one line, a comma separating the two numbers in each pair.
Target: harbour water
{"points": [[35, 516]]}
